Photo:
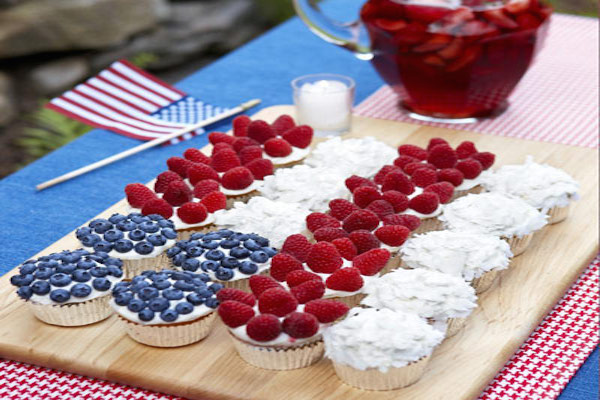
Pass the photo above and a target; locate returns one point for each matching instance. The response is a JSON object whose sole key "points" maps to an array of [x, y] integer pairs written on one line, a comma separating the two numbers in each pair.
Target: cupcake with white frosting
{"points": [[444, 300], [380, 349], [495, 214], [476, 258], [70, 288], [549, 189]]}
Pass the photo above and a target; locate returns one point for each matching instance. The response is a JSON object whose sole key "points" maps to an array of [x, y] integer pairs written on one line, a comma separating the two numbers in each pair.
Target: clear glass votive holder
{"points": [[324, 101]]}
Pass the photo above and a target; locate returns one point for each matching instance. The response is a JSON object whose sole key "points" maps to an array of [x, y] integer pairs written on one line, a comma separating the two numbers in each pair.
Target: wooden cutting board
{"points": [[460, 368]]}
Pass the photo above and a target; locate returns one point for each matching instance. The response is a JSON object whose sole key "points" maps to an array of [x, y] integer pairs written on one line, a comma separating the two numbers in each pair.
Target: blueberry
{"points": [[239, 252], [70, 258], [182, 244], [60, 295], [212, 302], [169, 315], [229, 243], [248, 268], [169, 233], [173, 251], [179, 259], [98, 272], [103, 246], [59, 279], [155, 217], [184, 285], [123, 245], [181, 275], [25, 292], [97, 257], [121, 287], [259, 257], [240, 236], [212, 236], [138, 218], [204, 292], [90, 240], [204, 277], [43, 273], [224, 233], [264, 242], [101, 284], [157, 239], [21, 280], [83, 231], [195, 251], [126, 226], [251, 244], [138, 279], [117, 262], [102, 226], [136, 305], [56, 256], [158, 276], [136, 287], [158, 304], [209, 265], [81, 275], [161, 284], [230, 262], [197, 236], [66, 268], [197, 282], [224, 274], [80, 290], [113, 235], [184, 308], [144, 248], [40, 287], [149, 227], [115, 271], [210, 245], [195, 299], [148, 293], [214, 255], [215, 287], [116, 218], [191, 264], [172, 294], [146, 315], [271, 251], [80, 253], [85, 264], [48, 264], [136, 235], [27, 268]]}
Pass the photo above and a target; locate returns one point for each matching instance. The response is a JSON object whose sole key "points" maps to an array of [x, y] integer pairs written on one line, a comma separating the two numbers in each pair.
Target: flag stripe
{"points": [[100, 83], [145, 81], [123, 83]]}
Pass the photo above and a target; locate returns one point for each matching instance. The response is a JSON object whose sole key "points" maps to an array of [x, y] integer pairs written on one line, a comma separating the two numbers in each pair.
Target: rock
{"points": [[8, 108], [56, 25], [56, 76]]}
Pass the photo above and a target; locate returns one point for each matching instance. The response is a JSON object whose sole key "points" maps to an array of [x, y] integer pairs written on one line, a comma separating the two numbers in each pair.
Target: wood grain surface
{"points": [[459, 369]]}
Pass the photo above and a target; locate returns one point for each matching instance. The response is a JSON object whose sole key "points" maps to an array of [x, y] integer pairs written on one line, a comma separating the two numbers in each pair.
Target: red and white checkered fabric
{"points": [[557, 100]]}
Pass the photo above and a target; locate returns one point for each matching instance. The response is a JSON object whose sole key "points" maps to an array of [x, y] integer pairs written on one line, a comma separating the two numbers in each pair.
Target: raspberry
{"points": [[381, 208], [300, 276], [260, 168], [412, 222], [403, 160], [364, 240], [237, 295], [277, 147], [158, 206], [204, 187], [465, 149], [220, 137], [200, 172], [196, 156], [361, 219], [224, 160], [283, 123], [444, 190], [392, 235], [346, 280], [237, 178], [486, 159], [386, 169], [345, 247], [326, 311], [138, 194], [341, 208], [220, 147], [179, 165], [234, 313], [324, 258], [300, 136], [243, 142], [412, 151], [371, 262], [260, 131], [177, 193], [470, 168], [357, 181], [424, 177], [282, 264], [298, 246], [192, 213], [307, 291], [435, 141], [240, 125], [163, 179], [260, 283], [398, 200], [425, 203], [399, 182], [329, 234], [301, 325], [442, 156], [411, 168], [277, 301], [214, 201], [250, 153], [263, 328], [316, 220], [364, 195], [452, 175]]}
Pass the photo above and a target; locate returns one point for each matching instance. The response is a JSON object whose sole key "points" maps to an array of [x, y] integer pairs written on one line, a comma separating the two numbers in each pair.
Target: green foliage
{"points": [[275, 11], [143, 59]]}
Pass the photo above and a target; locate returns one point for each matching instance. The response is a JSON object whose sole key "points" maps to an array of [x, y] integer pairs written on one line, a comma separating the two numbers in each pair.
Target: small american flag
{"points": [[129, 101]]}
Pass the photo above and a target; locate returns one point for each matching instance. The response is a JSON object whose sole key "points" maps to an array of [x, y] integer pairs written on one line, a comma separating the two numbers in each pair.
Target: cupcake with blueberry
{"points": [[228, 257], [139, 240], [166, 308], [70, 288]]}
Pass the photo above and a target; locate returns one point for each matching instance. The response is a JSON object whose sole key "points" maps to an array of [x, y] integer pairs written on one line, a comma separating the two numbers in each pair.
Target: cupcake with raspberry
{"points": [[140, 241], [495, 214], [166, 308], [403, 340], [272, 328], [70, 288], [228, 257], [549, 189], [444, 300]]}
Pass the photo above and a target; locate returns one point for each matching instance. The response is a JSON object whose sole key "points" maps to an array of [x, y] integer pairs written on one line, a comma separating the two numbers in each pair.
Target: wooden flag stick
{"points": [[70, 175]]}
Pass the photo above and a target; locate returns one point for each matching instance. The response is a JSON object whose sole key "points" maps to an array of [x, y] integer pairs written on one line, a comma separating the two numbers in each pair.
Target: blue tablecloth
{"points": [[263, 68]]}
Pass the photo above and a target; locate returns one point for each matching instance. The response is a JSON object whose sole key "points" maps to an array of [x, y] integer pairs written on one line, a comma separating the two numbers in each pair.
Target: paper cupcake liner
{"points": [[485, 281], [185, 234], [558, 214], [392, 264], [429, 225], [73, 314], [518, 245], [282, 358], [242, 197], [173, 335], [373, 379], [454, 325], [460, 193], [135, 267], [351, 301]]}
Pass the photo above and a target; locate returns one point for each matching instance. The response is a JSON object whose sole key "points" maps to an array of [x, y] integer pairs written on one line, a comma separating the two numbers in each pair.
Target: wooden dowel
{"points": [[70, 175]]}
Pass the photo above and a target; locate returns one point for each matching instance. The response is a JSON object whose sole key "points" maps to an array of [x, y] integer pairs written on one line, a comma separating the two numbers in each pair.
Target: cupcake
{"points": [[71, 288], [495, 214], [549, 189], [228, 257], [166, 308], [140, 241], [444, 300], [273, 329], [474, 257], [380, 349]]}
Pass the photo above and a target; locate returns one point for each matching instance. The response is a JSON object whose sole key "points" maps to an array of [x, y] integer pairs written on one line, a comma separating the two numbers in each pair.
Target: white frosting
{"points": [[463, 254], [179, 224], [133, 255], [45, 299], [470, 183], [492, 213], [273, 220], [255, 185], [297, 154], [429, 294], [371, 338], [540, 185], [435, 213]]}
